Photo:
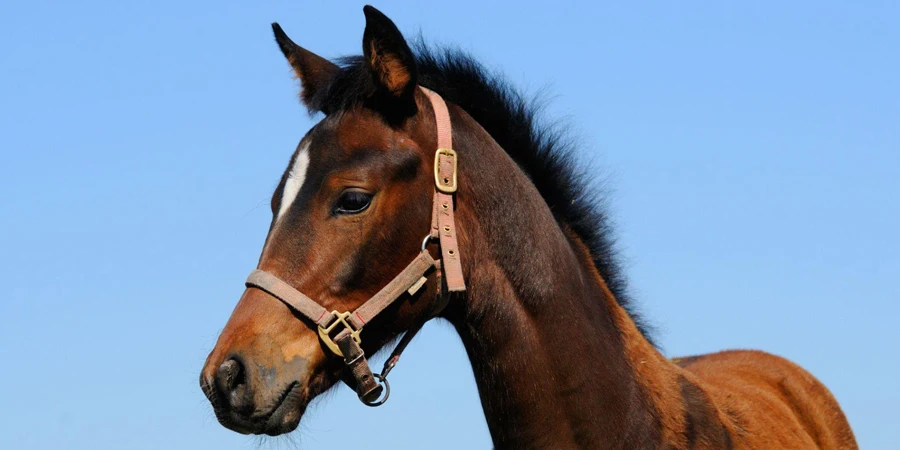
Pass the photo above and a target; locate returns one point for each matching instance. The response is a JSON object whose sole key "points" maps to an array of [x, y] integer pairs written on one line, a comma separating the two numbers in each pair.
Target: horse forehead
{"points": [[362, 131], [296, 177]]}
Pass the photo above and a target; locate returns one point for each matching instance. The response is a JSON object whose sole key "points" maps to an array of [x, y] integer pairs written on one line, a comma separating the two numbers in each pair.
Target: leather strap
{"points": [[286, 293], [443, 298], [412, 275], [443, 225], [404, 281], [410, 279], [367, 387]]}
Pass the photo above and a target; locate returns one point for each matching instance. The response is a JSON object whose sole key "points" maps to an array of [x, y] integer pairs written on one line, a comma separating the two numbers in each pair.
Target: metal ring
{"points": [[425, 241], [387, 391]]}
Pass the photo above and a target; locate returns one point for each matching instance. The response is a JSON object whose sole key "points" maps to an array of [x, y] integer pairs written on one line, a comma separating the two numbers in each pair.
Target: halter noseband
{"points": [[340, 331]]}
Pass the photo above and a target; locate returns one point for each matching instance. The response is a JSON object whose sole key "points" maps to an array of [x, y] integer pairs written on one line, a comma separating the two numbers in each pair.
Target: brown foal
{"points": [[559, 360]]}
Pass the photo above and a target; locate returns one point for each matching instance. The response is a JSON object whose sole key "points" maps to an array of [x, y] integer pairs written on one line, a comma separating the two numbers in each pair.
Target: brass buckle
{"points": [[446, 185], [325, 332]]}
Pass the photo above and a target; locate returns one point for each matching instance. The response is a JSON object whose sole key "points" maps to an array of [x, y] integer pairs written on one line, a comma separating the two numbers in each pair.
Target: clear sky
{"points": [[753, 150]]}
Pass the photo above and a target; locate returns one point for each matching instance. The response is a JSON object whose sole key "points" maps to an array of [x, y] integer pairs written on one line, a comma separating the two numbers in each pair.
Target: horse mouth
{"points": [[282, 417], [279, 415], [285, 415]]}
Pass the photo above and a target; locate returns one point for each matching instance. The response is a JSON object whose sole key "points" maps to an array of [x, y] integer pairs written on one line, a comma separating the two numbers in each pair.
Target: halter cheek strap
{"points": [[443, 225], [340, 331]]}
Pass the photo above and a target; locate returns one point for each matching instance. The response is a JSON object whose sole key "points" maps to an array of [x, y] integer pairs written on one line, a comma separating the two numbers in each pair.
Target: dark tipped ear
{"points": [[388, 57], [314, 71]]}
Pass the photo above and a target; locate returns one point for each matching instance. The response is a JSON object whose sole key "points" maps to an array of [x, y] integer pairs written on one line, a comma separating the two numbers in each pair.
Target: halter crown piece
{"points": [[340, 331]]}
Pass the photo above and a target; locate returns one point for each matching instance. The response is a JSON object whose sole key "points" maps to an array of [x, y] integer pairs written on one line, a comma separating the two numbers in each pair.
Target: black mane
{"points": [[542, 151]]}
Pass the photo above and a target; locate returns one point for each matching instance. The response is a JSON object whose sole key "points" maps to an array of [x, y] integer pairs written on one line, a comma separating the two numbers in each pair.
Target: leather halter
{"points": [[340, 331]]}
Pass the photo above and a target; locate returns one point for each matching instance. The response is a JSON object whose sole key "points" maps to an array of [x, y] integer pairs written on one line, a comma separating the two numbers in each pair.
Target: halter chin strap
{"points": [[340, 331]]}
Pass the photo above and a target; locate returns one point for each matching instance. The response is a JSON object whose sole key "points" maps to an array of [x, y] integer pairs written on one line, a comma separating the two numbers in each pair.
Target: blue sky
{"points": [[753, 150]]}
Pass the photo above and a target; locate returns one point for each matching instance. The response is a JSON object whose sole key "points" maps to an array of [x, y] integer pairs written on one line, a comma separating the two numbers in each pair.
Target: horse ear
{"points": [[388, 57], [314, 71]]}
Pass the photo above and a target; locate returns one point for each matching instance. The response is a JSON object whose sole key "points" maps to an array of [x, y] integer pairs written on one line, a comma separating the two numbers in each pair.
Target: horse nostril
{"points": [[230, 374], [231, 380]]}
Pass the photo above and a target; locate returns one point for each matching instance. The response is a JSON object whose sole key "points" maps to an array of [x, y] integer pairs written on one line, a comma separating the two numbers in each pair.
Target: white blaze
{"points": [[295, 179]]}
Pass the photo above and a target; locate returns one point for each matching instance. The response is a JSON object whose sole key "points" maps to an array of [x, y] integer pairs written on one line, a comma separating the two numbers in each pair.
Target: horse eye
{"points": [[352, 202]]}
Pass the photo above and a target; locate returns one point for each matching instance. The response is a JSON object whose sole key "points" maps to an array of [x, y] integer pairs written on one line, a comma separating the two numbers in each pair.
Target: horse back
{"points": [[763, 401]]}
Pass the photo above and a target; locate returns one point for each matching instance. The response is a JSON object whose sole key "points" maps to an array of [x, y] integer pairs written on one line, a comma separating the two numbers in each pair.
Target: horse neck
{"points": [[557, 361]]}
